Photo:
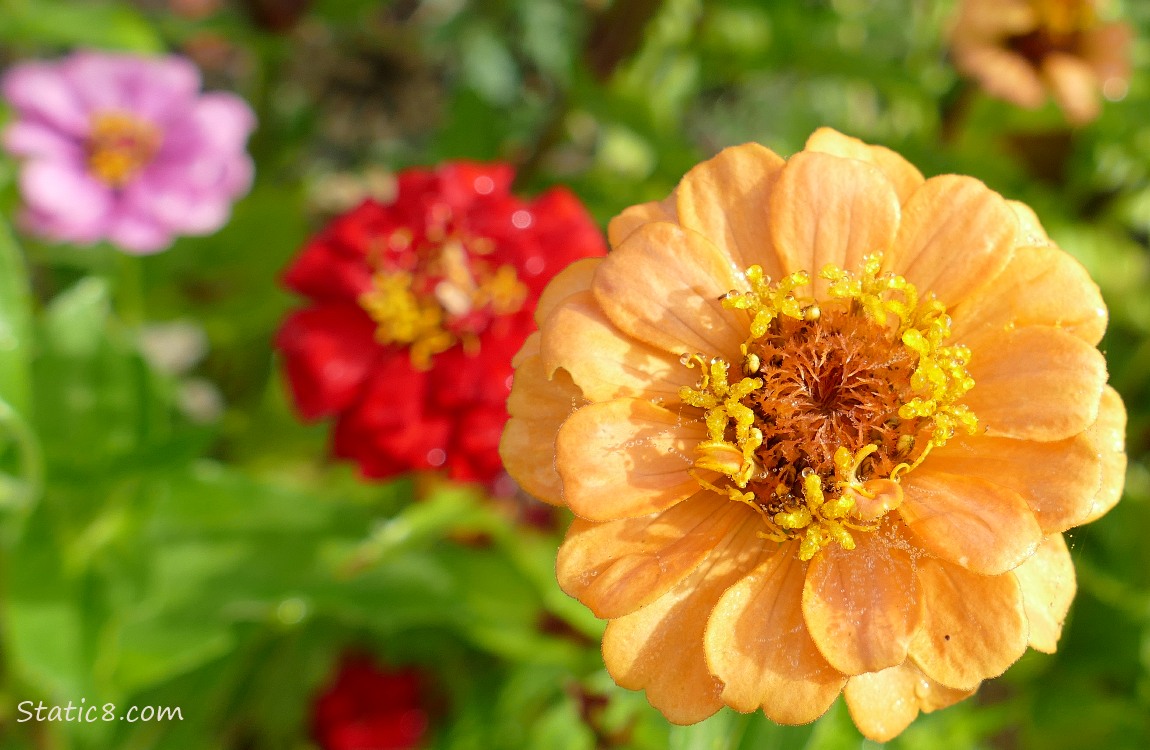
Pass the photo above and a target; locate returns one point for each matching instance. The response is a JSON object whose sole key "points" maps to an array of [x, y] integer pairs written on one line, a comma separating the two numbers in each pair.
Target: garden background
{"points": [[172, 535]]}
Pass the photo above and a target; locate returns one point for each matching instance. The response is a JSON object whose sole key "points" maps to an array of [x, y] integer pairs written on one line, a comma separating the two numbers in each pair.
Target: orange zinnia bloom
{"points": [[822, 423], [1020, 49]]}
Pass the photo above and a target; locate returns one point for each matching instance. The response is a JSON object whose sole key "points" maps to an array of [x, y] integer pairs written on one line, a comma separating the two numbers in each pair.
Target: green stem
{"points": [[129, 284]]}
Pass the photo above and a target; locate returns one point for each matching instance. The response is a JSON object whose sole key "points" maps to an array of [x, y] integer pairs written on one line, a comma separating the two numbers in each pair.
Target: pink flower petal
{"points": [[139, 234], [225, 120], [31, 138], [156, 89], [62, 229], [165, 88], [66, 191], [101, 81], [180, 208], [39, 90]]}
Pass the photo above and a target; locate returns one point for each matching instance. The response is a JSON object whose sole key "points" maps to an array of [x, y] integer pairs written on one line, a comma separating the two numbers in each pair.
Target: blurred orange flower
{"points": [[1019, 50], [822, 423]]}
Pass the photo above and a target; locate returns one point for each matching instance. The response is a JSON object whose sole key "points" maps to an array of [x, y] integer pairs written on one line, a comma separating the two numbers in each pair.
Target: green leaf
{"points": [[45, 630], [44, 644], [64, 23], [15, 324], [723, 731], [21, 475], [562, 728], [153, 649], [488, 65]]}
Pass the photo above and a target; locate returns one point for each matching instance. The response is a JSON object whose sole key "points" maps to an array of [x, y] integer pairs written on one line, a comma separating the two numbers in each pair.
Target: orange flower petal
{"points": [[663, 285], [974, 626], [659, 648], [626, 458], [1030, 229], [1036, 383], [862, 605], [604, 362], [537, 406], [573, 279], [902, 174], [620, 227], [1048, 586], [882, 704], [530, 348], [956, 234], [1040, 286], [1003, 74], [827, 209], [981, 526], [1108, 435], [1106, 49], [1058, 480], [1074, 86], [757, 643], [615, 568], [726, 200], [988, 19]]}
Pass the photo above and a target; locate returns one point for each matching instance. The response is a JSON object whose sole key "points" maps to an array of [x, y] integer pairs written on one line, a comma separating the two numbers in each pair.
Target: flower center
{"points": [[120, 145], [836, 401], [433, 295], [1060, 27]]}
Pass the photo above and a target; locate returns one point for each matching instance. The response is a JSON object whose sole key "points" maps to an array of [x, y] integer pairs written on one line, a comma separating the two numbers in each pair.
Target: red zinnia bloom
{"points": [[415, 310], [367, 708]]}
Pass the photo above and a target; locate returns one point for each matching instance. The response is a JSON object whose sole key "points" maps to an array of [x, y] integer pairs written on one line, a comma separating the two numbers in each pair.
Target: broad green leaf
{"points": [[46, 634], [72, 23]]}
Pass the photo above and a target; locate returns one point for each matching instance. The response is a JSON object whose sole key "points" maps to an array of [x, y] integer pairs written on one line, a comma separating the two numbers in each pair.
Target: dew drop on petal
{"points": [[534, 265], [436, 456], [522, 219]]}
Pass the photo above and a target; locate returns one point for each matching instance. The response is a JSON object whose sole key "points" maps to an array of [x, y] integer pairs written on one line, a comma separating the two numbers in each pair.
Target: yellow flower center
{"points": [[449, 297], [834, 402], [120, 145]]}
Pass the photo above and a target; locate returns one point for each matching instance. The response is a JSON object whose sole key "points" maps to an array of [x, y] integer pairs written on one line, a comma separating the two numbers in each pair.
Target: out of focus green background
{"points": [[170, 535]]}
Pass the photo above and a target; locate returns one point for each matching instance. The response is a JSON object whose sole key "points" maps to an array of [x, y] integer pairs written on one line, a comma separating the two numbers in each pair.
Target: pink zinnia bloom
{"points": [[125, 148]]}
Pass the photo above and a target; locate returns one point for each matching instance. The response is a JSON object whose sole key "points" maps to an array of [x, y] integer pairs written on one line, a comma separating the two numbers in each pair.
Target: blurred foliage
{"points": [[172, 536]]}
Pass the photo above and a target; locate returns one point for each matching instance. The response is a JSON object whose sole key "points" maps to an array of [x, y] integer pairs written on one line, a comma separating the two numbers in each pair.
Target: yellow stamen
{"points": [[848, 491], [120, 145], [405, 318], [425, 320]]}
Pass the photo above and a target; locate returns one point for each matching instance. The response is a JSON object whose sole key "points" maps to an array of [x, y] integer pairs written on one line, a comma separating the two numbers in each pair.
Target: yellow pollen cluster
{"points": [[119, 146], [405, 318], [418, 309], [825, 505], [922, 325]]}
